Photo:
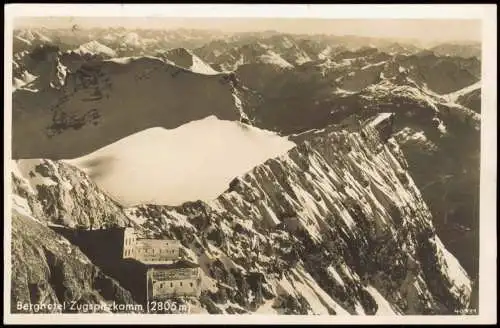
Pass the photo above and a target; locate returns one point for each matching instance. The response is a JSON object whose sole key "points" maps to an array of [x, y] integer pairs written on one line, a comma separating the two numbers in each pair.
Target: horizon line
{"points": [[443, 30], [395, 39]]}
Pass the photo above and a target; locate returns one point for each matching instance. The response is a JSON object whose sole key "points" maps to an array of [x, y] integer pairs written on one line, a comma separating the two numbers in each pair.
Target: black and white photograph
{"points": [[235, 166]]}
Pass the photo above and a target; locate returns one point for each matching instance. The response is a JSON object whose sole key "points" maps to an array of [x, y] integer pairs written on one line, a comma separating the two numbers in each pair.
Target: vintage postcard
{"points": [[250, 164]]}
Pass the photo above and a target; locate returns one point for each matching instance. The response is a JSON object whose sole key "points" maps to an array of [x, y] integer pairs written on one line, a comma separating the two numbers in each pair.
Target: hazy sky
{"points": [[423, 29]]}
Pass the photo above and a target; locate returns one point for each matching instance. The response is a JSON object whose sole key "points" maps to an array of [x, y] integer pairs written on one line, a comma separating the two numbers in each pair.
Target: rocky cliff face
{"points": [[335, 226], [53, 274], [441, 141], [471, 100], [58, 193]]}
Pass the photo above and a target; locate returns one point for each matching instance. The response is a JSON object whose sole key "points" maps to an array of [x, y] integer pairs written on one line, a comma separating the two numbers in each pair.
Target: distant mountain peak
{"points": [[185, 58], [95, 48]]}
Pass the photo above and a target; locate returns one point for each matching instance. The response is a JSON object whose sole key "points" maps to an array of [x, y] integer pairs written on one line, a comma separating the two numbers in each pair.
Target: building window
{"points": [[171, 284], [191, 284], [180, 283]]}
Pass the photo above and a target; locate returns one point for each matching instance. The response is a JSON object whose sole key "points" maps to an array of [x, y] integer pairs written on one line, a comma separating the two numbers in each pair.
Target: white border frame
{"points": [[488, 256]]}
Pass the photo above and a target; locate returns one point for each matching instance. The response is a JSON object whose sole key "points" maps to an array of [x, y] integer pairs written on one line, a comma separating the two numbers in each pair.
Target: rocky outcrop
{"points": [[441, 142], [49, 275], [471, 100], [58, 193]]}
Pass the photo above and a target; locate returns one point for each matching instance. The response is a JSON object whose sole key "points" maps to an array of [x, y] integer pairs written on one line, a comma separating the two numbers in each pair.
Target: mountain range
{"points": [[304, 174]]}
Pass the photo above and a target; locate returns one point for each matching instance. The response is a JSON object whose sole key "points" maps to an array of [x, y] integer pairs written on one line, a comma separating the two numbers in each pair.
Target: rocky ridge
{"points": [[335, 226]]}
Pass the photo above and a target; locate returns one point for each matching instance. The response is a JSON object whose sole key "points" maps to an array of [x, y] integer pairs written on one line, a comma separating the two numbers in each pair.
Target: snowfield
{"points": [[194, 161]]}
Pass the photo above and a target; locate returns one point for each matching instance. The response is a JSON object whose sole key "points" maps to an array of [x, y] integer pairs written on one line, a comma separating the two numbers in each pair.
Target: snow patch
{"points": [[121, 60], [334, 274], [27, 169], [325, 53], [21, 206], [379, 119], [452, 268], [273, 58], [374, 65], [384, 307], [201, 67], [287, 43], [267, 308]]}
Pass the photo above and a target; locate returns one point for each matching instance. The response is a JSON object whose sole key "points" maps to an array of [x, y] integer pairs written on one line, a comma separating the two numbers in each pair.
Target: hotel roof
{"points": [[172, 265]]}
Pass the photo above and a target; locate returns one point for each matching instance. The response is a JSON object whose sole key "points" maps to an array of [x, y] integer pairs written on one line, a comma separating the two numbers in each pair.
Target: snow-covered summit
{"points": [[187, 59], [95, 48]]}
